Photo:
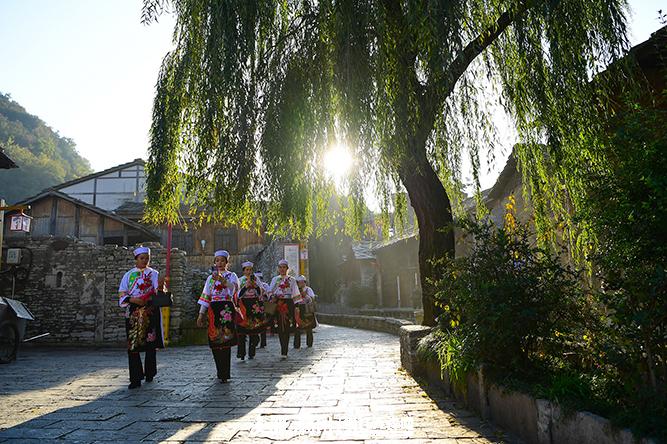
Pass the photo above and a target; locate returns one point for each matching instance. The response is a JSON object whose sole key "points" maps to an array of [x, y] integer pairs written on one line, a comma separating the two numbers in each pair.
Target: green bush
{"points": [[519, 311], [444, 348], [626, 211], [510, 305]]}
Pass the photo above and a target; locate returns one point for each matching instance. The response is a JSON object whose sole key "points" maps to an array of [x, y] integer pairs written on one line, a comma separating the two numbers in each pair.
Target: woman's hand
{"points": [[200, 320]]}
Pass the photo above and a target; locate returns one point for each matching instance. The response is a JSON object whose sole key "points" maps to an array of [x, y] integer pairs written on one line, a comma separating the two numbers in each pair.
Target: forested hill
{"points": [[44, 157]]}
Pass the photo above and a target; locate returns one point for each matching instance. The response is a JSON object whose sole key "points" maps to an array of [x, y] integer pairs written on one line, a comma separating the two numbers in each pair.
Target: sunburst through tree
{"points": [[255, 93]]}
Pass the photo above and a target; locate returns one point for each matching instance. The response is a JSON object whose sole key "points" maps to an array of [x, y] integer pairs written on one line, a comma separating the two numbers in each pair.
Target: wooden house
{"points": [[107, 208], [57, 214]]}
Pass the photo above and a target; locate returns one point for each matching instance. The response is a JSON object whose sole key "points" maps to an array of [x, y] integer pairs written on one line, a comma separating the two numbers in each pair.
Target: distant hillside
{"points": [[44, 157]]}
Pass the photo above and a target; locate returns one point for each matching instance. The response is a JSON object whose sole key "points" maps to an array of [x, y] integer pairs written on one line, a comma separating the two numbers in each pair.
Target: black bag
{"points": [[162, 299]]}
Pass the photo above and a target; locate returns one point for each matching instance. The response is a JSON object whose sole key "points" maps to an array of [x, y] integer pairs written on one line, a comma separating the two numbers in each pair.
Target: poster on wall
{"points": [[292, 257]]}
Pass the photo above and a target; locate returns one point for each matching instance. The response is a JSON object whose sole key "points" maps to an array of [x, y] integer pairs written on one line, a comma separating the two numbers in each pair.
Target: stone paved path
{"points": [[349, 388]]}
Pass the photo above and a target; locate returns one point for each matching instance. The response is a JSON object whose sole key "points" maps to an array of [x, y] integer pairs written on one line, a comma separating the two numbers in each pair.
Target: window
{"points": [[227, 239], [59, 279]]}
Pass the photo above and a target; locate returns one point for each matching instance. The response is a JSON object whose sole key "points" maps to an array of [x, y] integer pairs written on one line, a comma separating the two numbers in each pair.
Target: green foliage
{"points": [[446, 349], [627, 212], [44, 157], [509, 304], [429, 345], [516, 309], [255, 92]]}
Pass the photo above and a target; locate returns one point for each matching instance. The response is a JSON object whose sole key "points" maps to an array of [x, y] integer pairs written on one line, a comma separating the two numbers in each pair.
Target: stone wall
{"points": [[409, 337], [409, 314], [535, 421], [375, 323], [72, 289], [267, 259]]}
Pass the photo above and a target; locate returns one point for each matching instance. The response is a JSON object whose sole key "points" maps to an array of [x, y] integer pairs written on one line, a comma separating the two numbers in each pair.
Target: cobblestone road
{"points": [[349, 388]]}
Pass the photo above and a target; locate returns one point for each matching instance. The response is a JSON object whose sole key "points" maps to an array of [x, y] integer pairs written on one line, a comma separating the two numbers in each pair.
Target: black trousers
{"points": [[309, 338], [262, 336], [284, 342], [222, 358], [253, 341], [137, 371]]}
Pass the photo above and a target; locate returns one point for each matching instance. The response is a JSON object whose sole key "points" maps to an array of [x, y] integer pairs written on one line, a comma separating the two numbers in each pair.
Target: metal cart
{"points": [[14, 317]]}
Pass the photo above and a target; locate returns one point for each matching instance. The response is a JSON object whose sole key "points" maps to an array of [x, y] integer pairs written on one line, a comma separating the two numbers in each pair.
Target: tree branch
{"points": [[478, 45], [437, 92]]}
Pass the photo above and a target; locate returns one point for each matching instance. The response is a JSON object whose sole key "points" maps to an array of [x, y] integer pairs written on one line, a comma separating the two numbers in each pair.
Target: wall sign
{"points": [[292, 257]]}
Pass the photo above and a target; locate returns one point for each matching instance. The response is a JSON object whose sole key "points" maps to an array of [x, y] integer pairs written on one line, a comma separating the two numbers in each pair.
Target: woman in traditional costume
{"points": [[251, 307], [304, 313], [283, 288], [143, 321], [268, 320], [218, 302]]}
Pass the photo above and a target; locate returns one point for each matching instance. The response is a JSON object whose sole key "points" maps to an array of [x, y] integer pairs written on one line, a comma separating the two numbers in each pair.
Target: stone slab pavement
{"points": [[348, 388]]}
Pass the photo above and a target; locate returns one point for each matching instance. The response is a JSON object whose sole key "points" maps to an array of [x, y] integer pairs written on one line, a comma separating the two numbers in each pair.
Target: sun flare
{"points": [[338, 162]]}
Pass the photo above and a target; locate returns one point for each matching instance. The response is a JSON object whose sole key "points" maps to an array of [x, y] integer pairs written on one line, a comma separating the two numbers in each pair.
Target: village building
{"points": [[5, 162], [107, 208]]}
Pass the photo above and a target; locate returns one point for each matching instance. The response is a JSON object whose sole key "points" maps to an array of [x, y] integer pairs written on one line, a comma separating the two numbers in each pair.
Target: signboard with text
{"points": [[292, 257]]}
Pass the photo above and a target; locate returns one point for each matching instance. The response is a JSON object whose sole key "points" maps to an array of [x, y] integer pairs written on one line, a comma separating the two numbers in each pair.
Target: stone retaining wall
{"points": [[413, 315], [375, 323], [72, 289], [535, 421], [409, 338]]}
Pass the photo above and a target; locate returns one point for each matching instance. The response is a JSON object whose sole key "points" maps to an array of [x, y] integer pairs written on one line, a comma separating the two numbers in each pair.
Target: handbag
{"points": [[162, 299]]}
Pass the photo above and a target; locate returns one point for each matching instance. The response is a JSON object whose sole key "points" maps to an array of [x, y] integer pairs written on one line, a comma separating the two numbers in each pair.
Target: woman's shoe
{"points": [[134, 385], [149, 378]]}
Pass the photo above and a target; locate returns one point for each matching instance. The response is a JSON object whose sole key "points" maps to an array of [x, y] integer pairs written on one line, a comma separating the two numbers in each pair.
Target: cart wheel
{"points": [[9, 342]]}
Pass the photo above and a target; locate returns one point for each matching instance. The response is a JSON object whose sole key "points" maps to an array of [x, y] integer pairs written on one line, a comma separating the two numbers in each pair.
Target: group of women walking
{"points": [[237, 312]]}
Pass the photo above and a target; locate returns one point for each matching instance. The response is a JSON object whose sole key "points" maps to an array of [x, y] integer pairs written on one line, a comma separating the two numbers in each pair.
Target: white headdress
{"points": [[141, 250]]}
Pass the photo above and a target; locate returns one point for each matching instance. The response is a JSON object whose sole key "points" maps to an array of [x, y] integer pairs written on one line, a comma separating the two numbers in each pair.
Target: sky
{"points": [[88, 69]]}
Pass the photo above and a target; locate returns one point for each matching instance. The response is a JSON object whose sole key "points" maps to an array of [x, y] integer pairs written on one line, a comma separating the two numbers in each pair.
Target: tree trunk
{"points": [[434, 217]]}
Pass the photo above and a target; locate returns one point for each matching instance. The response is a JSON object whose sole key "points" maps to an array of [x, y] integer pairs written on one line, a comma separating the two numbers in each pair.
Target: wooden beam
{"points": [[77, 221], [100, 231], [54, 216], [2, 227], [13, 207]]}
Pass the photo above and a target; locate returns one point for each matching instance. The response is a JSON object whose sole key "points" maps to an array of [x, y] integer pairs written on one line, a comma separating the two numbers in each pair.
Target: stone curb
{"points": [[535, 421], [375, 323]]}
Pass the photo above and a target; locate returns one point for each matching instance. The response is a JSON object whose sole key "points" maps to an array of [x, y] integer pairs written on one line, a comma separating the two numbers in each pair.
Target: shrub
{"points": [[509, 304], [626, 211]]}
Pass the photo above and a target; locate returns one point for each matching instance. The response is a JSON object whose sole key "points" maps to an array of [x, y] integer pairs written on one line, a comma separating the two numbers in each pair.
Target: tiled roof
{"points": [[5, 162], [93, 208], [363, 250], [100, 173]]}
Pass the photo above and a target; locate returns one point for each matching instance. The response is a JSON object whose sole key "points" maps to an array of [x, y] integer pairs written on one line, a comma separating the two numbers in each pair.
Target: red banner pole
{"points": [[168, 264]]}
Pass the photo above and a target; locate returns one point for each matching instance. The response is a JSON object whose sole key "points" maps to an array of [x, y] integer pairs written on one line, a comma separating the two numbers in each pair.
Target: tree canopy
{"points": [[254, 93], [44, 157]]}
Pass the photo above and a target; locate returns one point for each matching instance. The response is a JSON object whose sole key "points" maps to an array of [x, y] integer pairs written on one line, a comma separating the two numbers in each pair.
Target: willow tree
{"points": [[255, 92]]}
